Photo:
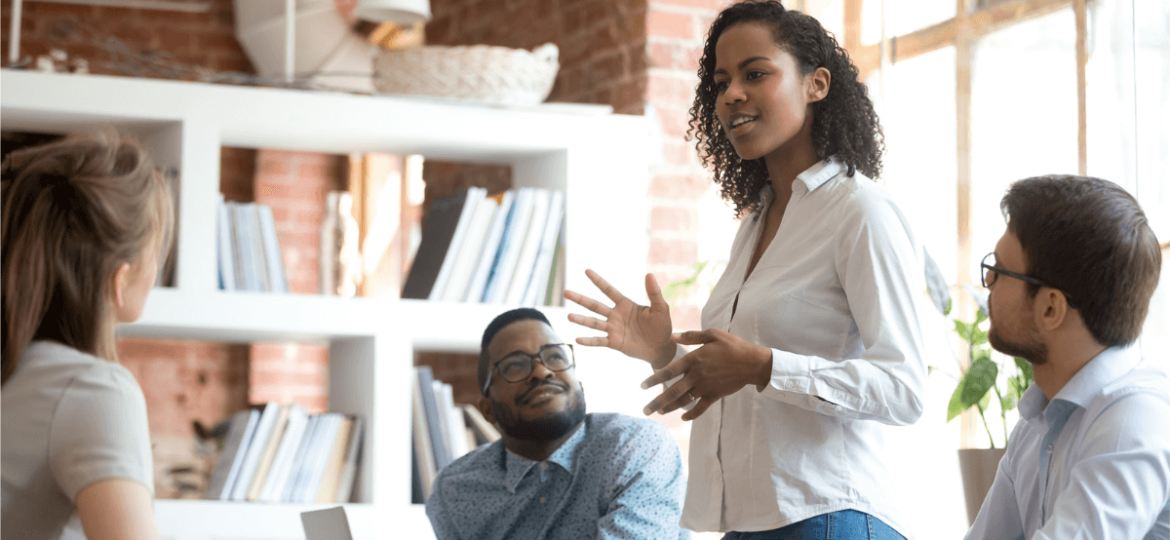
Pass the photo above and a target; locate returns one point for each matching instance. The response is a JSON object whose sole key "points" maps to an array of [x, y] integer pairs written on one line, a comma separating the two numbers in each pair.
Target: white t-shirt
{"points": [[69, 419]]}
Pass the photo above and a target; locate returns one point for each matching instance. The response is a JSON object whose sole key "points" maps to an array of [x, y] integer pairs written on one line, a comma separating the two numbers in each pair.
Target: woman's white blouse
{"points": [[836, 296]]}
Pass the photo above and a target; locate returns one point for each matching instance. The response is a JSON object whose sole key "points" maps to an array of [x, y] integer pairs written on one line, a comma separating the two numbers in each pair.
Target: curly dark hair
{"points": [[844, 124]]}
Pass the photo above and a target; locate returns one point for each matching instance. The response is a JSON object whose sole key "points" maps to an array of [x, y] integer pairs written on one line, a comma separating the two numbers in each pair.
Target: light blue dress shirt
{"points": [[616, 477], [1092, 464]]}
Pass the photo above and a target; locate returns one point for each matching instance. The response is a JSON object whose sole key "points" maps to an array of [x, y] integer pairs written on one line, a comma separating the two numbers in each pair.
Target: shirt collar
{"points": [[815, 176], [517, 467], [1103, 369], [812, 178]]}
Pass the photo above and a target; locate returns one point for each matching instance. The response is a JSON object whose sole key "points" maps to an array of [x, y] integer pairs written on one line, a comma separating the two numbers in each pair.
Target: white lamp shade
{"points": [[395, 11]]}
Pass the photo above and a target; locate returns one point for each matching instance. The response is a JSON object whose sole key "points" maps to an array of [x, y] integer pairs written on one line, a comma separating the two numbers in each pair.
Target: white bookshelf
{"points": [[600, 160]]}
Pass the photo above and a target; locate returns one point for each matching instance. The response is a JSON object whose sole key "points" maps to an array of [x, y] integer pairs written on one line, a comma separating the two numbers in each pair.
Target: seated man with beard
{"points": [[556, 473]]}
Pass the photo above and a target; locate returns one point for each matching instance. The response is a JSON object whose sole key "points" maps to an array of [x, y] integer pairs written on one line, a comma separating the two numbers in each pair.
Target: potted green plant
{"points": [[982, 380]]}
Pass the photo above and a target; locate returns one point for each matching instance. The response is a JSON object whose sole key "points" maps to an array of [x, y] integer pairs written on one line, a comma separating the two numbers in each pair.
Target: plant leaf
{"points": [[955, 407], [1025, 371], [979, 379], [984, 403]]}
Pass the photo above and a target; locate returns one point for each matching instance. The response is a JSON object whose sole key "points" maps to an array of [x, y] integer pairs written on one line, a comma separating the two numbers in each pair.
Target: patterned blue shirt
{"points": [[616, 477]]}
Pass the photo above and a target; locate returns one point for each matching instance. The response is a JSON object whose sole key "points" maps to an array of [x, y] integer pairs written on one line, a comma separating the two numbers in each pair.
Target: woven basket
{"points": [[477, 73]]}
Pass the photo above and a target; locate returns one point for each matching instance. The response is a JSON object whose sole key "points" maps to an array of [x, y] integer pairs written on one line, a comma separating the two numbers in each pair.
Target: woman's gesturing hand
{"points": [[722, 365], [637, 331]]}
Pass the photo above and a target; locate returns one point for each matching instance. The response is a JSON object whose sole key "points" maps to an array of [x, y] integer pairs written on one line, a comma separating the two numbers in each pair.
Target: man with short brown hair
{"points": [[1070, 284]]}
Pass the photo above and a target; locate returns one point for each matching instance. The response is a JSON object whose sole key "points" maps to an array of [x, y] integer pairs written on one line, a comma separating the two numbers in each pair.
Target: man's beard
{"points": [[1035, 352], [549, 427]]}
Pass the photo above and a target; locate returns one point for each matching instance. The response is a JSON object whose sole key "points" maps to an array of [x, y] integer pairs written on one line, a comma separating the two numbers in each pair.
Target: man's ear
{"points": [[1052, 309], [120, 277], [485, 408], [818, 84]]}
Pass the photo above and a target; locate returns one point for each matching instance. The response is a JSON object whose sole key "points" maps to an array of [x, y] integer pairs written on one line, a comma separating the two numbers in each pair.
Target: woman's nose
{"points": [[734, 93]]}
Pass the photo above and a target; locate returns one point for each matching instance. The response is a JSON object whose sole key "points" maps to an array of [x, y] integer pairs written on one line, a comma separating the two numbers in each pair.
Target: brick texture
{"points": [[458, 370], [675, 33], [602, 43], [201, 40], [295, 185]]}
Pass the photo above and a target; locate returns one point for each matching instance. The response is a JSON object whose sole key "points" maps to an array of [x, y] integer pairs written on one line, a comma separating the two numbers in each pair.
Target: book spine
{"points": [[322, 444], [226, 258], [327, 490], [510, 249], [256, 449], [431, 408], [471, 250], [491, 249], [266, 460], [422, 438], [544, 259], [272, 253], [238, 243], [282, 467], [236, 432], [259, 254], [353, 455], [298, 468], [529, 248], [471, 202], [238, 457]]}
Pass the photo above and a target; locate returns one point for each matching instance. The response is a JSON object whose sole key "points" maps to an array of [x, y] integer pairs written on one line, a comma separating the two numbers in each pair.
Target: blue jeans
{"points": [[843, 525]]}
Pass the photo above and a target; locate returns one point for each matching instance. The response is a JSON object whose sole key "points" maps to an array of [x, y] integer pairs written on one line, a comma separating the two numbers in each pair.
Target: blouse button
{"points": [[542, 499]]}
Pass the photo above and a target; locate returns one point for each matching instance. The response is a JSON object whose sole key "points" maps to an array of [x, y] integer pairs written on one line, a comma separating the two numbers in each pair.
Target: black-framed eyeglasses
{"points": [[991, 272], [518, 366]]}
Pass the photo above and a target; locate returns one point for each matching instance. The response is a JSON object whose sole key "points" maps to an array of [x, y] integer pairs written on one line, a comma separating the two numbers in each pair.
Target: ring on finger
{"points": [[693, 398]]}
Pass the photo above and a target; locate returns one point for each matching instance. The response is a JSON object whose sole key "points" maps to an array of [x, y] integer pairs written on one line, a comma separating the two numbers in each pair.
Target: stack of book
{"points": [[441, 430], [248, 250], [499, 249], [284, 454]]}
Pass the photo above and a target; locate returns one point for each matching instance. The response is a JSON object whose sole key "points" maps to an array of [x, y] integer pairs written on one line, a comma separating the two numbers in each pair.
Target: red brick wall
{"points": [[295, 185], [201, 39], [675, 33], [602, 43]]}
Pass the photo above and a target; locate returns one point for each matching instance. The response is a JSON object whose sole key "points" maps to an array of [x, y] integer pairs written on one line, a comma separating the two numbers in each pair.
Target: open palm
{"points": [[635, 330]]}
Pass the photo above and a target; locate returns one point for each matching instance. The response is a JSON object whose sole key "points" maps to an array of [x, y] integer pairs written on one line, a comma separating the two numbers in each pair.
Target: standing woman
{"points": [[811, 343], [84, 220]]}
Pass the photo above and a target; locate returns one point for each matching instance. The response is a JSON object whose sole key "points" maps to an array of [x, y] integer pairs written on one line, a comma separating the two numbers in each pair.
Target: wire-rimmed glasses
{"points": [[518, 366]]}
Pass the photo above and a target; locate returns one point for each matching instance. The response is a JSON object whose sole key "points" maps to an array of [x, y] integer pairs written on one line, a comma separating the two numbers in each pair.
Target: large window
{"points": [[975, 94]]}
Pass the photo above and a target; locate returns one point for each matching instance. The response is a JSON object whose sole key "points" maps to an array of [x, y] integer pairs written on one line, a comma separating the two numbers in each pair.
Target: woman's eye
{"points": [[754, 75], [720, 86]]}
